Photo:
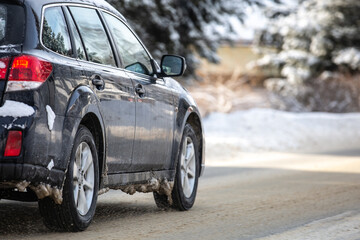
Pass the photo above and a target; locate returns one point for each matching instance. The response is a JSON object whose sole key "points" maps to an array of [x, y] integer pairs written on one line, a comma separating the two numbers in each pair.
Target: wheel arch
{"points": [[188, 114], [92, 122], [83, 109], [194, 120]]}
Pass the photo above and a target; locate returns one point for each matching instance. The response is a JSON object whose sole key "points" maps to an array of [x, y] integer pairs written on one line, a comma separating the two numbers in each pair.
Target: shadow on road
{"points": [[24, 219], [248, 189]]}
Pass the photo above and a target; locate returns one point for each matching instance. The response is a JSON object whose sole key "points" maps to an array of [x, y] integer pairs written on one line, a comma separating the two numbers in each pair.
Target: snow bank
{"points": [[272, 130], [16, 109]]}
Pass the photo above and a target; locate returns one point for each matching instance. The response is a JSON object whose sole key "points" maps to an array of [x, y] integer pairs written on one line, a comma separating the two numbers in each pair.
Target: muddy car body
{"points": [[62, 108]]}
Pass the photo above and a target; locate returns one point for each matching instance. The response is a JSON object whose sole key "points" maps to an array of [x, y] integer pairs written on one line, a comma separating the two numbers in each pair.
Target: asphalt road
{"points": [[248, 196]]}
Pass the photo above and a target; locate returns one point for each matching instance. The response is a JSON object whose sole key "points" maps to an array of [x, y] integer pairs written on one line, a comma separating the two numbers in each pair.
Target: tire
{"points": [[187, 174], [80, 189], [161, 200]]}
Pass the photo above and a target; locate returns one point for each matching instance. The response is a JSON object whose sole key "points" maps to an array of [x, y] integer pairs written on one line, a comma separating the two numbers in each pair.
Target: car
{"points": [[85, 108]]}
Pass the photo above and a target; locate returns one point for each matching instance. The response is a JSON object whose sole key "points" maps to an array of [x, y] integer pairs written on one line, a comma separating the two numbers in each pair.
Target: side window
{"points": [[94, 36], [133, 55], [77, 40], [55, 35]]}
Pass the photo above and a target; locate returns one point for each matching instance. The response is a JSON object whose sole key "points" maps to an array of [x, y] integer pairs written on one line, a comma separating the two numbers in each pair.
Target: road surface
{"points": [[249, 196]]}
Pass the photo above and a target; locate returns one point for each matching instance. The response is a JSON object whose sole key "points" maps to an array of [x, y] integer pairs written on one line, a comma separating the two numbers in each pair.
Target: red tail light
{"points": [[13, 144], [28, 72], [4, 65]]}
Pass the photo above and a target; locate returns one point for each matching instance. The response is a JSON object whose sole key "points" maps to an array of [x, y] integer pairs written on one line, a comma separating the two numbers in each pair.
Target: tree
{"points": [[321, 36], [190, 28]]}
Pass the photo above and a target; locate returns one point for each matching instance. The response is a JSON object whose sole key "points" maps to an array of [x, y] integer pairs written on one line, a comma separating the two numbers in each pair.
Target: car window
{"points": [[77, 40], [3, 21], [132, 53], [92, 31], [11, 17], [55, 35]]}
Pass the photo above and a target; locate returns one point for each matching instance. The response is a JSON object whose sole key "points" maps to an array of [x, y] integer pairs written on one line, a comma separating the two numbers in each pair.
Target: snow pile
{"points": [[272, 130], [51, 117], [16, 109]]}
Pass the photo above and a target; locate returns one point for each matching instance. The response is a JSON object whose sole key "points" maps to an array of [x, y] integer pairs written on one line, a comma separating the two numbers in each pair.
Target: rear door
{"points": [[154, 101], [11, 17], [111, 85]]}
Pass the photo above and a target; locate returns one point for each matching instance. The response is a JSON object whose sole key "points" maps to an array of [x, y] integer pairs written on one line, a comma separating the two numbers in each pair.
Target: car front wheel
{"points": [[187, 174]]}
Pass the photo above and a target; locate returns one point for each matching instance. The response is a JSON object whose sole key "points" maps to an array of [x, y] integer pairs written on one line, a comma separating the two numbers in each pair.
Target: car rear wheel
{"points": [[187, 174], [80, 189]]}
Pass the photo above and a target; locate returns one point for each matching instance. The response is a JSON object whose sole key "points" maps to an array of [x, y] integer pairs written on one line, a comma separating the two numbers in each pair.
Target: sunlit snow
{"points": [[268, 129]]}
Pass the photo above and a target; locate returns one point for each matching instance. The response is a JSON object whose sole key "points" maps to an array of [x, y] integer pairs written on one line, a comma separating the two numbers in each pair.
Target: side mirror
{"points": [[172, 66]]}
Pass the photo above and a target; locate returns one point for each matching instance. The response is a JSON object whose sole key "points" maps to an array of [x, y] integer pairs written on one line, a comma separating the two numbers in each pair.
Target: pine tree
{"points": [[320, 36], [190, 28]]}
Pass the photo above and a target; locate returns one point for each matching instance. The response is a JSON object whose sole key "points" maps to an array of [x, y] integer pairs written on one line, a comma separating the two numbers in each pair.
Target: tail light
{"points": [[4, 65], [27, 72], [13, 144]]}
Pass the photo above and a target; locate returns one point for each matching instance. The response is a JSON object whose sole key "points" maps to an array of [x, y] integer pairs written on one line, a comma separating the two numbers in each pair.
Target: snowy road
{"points": [[253, 195]]}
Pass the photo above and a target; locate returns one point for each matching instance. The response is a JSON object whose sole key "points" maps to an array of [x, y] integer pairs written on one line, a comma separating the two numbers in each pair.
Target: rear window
{"points": [[12, 24], [55, 35]]}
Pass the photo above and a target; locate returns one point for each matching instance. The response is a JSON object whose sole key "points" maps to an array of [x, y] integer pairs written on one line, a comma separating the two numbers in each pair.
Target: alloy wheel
{"points": [[83, 178], [188, 167]]}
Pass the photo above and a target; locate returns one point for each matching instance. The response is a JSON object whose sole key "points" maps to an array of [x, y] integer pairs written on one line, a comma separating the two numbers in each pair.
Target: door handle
{"points": [[98, 82], [139, 89]]}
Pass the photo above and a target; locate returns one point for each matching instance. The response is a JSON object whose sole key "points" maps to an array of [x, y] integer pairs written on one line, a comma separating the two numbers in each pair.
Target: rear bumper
{"points": [[12, 174], [35, 165], [23, 177]]}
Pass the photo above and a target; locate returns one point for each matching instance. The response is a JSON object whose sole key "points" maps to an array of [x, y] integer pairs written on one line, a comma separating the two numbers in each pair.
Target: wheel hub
{"points": [[83, 178], [188, 167]]}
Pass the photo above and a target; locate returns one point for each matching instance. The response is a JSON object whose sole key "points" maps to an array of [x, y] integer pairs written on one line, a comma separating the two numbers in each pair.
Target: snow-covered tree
{"points": [[190, 28], [319, 36]]}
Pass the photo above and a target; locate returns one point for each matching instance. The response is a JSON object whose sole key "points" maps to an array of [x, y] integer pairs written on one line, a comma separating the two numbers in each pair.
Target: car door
{"points": [[112, 86], [154, 101]]}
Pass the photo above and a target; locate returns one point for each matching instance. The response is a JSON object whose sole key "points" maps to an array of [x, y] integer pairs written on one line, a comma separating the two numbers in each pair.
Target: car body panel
{"points": [[154, 124], [117, 104]]}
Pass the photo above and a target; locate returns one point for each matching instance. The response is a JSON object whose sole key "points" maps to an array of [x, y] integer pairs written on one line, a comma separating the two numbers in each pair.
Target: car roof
{"points": [[98, 3]]}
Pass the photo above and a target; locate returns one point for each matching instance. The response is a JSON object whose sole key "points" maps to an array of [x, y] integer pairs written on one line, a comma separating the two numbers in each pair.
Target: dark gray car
{"points": [[85, 108]]}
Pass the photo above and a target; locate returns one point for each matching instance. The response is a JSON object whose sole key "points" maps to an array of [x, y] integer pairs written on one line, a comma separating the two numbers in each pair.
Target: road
{"points": [[248, 196]]}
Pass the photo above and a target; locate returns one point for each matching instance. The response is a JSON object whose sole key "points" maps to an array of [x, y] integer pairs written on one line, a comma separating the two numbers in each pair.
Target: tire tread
{"points": [[60, 217], [179, 201]]}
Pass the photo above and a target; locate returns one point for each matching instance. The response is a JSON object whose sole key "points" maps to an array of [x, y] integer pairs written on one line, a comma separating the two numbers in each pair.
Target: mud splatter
{"points": [[104, 190], [41, 190], [163, 187], [45, 190]]}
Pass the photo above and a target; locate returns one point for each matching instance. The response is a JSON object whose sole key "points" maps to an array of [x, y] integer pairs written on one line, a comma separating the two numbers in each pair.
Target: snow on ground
{"points": [[342, 226], [271, 130]]}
